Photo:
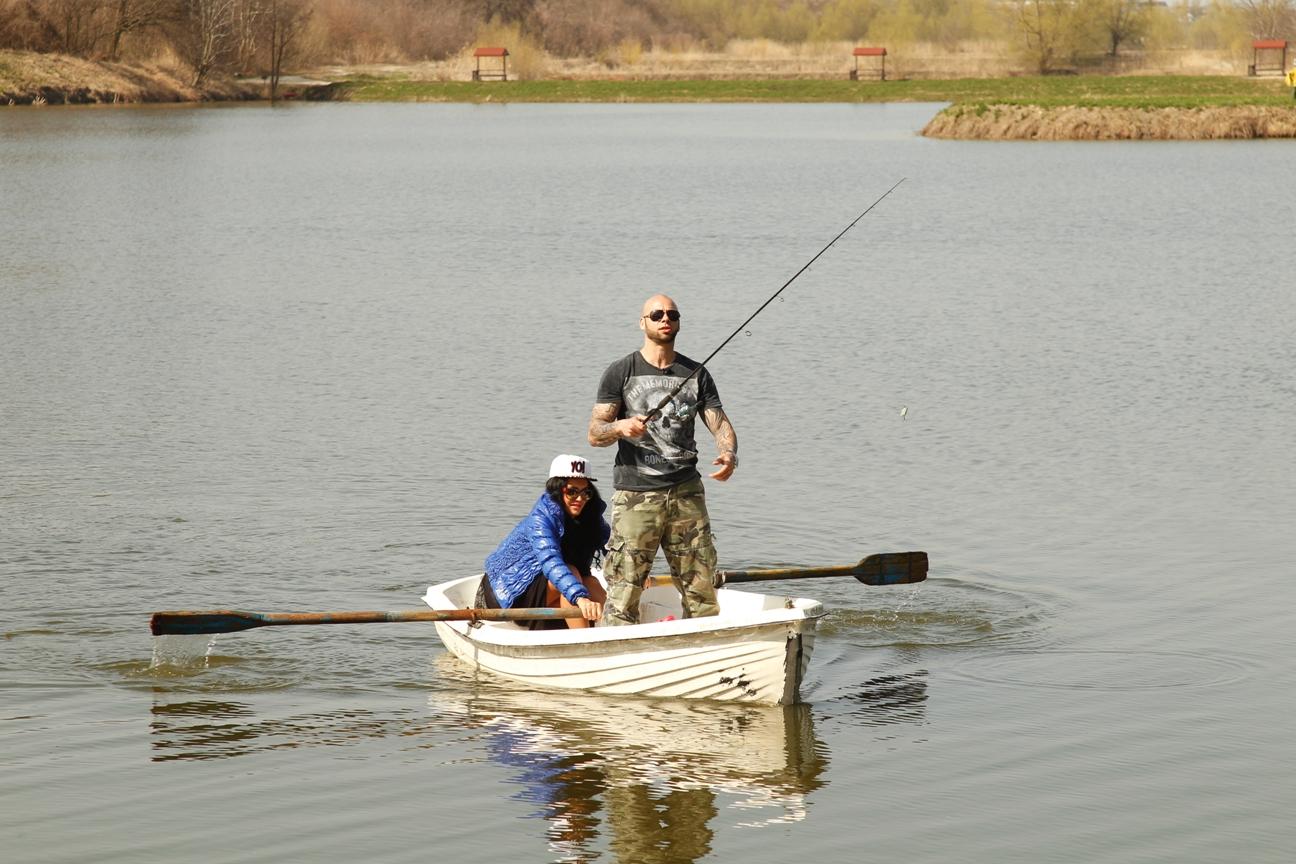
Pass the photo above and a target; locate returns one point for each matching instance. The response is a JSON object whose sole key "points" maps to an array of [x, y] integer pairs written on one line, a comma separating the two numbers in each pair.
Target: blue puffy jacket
{"points": [[535, 546]]}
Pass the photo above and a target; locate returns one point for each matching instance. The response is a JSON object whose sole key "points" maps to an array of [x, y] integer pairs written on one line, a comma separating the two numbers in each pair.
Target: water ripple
{"points": [[213, 729], [1104, 670]]}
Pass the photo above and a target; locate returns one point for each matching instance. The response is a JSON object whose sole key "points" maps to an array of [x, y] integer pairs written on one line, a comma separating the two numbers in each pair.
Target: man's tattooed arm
{"points": [[718, 422], [603, 430]]}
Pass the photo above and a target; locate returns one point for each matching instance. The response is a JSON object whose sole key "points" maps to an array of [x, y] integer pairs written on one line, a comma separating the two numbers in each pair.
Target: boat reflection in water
{"points": [[645, 777]]}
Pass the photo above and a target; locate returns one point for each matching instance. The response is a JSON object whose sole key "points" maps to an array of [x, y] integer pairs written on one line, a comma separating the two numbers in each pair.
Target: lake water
{"points": [[316, 358]]}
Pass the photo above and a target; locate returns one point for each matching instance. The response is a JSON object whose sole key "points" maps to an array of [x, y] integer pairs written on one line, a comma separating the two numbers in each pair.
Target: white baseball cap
{"points": [[567, 465]]}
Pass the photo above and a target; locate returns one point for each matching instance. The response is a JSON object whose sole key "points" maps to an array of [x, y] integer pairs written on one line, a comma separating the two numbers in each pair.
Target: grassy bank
{"points": [[1169, 91], [28, 78]]}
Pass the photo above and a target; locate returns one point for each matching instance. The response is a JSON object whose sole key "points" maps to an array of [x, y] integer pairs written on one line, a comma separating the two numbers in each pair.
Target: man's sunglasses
{"points": [[657, 314]]}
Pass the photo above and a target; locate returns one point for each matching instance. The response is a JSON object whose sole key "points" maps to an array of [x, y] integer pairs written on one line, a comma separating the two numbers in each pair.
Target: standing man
{"points": [[659, 500]]}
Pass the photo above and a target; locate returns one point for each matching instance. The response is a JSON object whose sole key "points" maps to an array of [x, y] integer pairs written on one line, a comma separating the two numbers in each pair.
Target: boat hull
{"points": [[756, 650]]}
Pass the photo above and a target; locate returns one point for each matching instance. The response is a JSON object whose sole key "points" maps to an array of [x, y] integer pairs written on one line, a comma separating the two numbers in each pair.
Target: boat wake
{"points": [[945, 612]]}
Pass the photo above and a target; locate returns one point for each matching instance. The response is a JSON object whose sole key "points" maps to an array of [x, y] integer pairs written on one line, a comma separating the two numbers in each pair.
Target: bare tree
{"points": [[24, 25], [506, 11], [132, 16], [433, 29], [204, 32], [1046, 28], [70, 26], [285, 20], [1120, 21], [1269, 19], [248, 16], [571, 28]]}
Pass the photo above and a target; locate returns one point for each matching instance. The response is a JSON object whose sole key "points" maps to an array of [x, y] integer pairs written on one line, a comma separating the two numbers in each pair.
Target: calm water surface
{"points": [[317, 358]]}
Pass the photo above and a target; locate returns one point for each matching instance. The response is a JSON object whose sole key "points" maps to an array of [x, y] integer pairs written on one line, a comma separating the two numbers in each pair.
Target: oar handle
{"points": [[887, 568], [724, 577], [273, 619]]}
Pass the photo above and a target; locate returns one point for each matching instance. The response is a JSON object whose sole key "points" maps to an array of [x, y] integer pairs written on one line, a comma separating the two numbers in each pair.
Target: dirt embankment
{"points": [[1035, 123], [54, 79]]}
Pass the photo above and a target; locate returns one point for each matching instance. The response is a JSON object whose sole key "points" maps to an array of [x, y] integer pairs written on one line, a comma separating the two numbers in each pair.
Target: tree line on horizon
{"points": [[256, 37]]}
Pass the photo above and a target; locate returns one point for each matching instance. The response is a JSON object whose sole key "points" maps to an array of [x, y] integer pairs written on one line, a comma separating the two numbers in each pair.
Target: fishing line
{"points": [[680, 386]]}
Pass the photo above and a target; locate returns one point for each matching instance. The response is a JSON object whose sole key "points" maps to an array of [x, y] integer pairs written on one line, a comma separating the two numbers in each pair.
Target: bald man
{"points": [[659, 501]]}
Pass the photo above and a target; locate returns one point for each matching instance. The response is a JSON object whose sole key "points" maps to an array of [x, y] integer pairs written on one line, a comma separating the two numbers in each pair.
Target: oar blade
{"points": [[198, 623], [892, 568]]}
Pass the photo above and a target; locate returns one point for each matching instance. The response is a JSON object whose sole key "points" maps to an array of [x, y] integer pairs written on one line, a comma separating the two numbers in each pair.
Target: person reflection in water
{"points": [[647, 825], [546, 560], [613, 785]]}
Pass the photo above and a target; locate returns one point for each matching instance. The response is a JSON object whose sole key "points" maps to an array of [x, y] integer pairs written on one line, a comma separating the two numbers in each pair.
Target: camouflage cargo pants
{"points": [[675, 520]]}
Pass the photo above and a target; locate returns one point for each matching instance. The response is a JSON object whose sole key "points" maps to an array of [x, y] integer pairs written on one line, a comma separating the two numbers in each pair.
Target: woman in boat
{"points": [[546, 559]]}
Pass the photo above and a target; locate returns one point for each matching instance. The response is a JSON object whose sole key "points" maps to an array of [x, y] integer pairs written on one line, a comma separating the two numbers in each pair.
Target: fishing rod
{"points": [[656, 412]]}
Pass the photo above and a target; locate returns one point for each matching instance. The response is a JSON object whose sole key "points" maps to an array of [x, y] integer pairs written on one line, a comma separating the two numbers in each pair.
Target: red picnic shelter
{"points": [[876, 64], [496, 63], [1268, 57]]}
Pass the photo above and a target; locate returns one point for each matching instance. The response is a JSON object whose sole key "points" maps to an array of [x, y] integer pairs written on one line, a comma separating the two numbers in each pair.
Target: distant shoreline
{"points": [[1052, 108]]}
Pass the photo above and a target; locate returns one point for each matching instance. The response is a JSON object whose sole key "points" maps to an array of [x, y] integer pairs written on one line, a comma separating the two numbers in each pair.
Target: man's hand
{"points": [[726, 441], [605, 429], [633, 427]]}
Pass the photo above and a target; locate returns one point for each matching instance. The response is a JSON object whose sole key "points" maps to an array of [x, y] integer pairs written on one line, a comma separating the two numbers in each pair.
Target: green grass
{"points": [[1051, 91]]}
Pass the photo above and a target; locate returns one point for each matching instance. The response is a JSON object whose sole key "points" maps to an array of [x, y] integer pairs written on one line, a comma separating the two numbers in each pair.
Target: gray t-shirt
{"points": [[667, 453]]}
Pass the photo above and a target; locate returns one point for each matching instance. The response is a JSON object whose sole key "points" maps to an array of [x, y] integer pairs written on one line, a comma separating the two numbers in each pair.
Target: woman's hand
{"points": [[590, 610]]}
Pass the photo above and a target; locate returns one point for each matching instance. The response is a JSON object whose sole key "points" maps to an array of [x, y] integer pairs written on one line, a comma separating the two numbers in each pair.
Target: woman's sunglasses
{"points": [[658, 314], [571, 493]]}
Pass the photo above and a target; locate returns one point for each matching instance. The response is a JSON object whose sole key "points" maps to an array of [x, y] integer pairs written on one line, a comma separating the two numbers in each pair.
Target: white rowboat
{"points": [[756, 650]]}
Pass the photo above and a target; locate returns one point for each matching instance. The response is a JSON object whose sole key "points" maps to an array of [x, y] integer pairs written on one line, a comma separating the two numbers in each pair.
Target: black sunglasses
{"points": [[656, 314]]}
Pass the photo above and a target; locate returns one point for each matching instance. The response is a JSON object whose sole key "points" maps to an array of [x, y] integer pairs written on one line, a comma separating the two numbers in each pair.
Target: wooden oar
{"points": [[229, 621], [886, 568], [889, 568]]}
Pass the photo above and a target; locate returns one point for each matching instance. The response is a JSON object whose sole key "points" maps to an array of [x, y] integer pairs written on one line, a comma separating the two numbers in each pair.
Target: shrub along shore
{"points": [[1071, 107]]}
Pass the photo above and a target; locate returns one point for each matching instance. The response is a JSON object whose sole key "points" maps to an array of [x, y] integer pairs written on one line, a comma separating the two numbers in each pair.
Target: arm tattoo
{"points": [[725, 436], [602, 426]]}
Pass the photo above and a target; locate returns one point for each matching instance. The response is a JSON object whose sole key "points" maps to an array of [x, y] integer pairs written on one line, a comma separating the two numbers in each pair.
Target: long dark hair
{"points": [[554, 486], [581, 539]]}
